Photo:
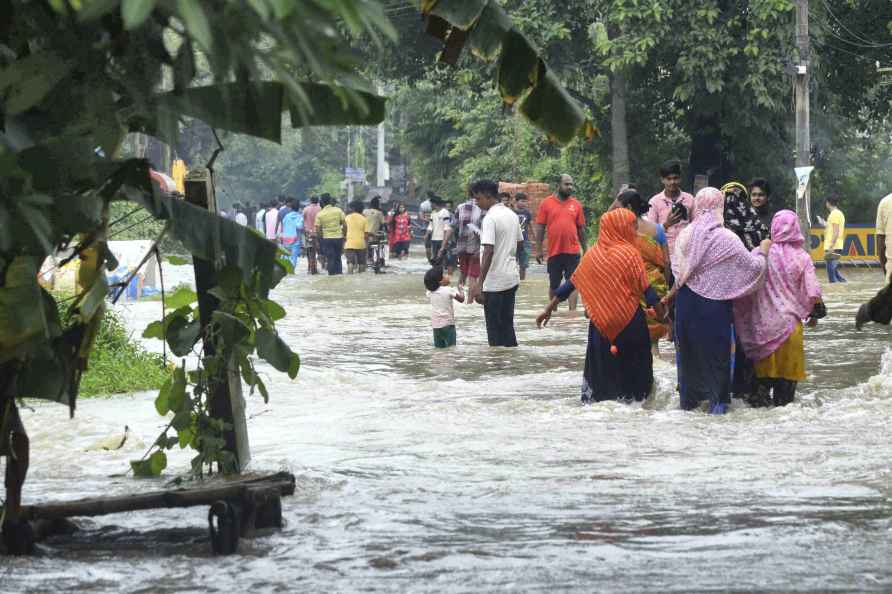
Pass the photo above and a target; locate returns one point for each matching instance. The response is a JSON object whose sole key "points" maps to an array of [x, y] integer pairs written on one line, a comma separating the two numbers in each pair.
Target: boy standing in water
{"points": [[521, 209], [441, 296]]}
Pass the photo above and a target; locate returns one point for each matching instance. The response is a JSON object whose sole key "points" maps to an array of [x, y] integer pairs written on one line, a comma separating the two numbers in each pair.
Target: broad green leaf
{"points": [[550, 108], [182, 297], [196, 22], [158, 328], [28, 81], [461, 13], [177, 398], [151, 467], [93, 299], [335, 105], [162, 402], [182, 335], [272, 349], [519, 67], [177, 260], [185, 436], [254, 109], [487, 35], [208, 236], [275, 311], [135, 12], [232, 329]]}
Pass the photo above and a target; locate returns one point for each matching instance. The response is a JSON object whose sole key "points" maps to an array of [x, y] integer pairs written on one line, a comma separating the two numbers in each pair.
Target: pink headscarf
{"points": [[767, 318], [710, 259]]}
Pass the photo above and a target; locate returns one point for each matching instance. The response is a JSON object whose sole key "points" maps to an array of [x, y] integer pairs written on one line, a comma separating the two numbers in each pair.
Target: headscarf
{"points": [[741, 217], [767, 318], [611, 277], [710, 259]]}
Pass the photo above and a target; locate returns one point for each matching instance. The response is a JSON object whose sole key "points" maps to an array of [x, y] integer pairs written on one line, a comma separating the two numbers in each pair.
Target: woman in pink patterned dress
{"points": [[769, 322], [712, 268]]}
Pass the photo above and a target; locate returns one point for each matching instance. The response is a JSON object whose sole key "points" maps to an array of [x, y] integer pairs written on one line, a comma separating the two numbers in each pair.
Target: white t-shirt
{"points": [[442, 313], [439, 224], [501, 229], [884, 227], [241, 219]]}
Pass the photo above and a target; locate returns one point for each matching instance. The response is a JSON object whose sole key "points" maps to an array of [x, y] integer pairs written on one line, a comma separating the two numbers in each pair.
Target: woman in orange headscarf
{"points": [[612, 280]]}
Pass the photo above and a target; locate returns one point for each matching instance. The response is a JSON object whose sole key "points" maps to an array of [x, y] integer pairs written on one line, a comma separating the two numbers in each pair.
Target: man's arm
{"points": [[539, 236], [582, 239], [881, 251], [447, 233], [485, 264]]}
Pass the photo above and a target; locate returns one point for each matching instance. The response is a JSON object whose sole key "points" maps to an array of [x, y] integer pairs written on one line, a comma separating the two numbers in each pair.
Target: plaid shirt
{"points": [[467, 241]]}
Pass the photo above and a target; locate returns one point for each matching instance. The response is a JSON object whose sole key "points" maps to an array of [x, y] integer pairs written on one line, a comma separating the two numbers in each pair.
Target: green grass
{"points": [[119, 364]]}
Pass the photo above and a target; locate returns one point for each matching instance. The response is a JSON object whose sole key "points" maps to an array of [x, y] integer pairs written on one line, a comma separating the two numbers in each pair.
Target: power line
{"points": [[867, 43]]}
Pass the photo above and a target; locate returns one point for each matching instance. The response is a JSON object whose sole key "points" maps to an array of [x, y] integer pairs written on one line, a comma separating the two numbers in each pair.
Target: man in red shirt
{"points": [[560, 217]]}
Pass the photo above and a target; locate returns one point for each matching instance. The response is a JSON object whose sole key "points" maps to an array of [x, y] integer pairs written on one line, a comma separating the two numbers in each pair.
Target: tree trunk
{"points": [[619, 132], [706, 150]]}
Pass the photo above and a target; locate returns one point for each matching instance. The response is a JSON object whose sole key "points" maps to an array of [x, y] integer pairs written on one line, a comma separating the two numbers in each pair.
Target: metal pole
{"points": [[803, 134]]}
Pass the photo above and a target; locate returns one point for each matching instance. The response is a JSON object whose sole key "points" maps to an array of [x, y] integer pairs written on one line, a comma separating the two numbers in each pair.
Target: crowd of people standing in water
{"points": [[719, 274], [324, 235]]}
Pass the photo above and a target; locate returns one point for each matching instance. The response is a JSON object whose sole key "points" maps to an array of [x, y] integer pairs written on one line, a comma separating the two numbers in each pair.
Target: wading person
{"points": [[468, 218], [671, 208], [561, 220], [613, 283], [712, 269], [331, 228], [441, 296], [651, 243], [742, 219], [377, 233], [769, 322], [500, 238], [439, 229], [310, 212], [292, 233], [760, 197], [834, 240], [884, 229], [400, 232], [356, 245], [522, 210]]}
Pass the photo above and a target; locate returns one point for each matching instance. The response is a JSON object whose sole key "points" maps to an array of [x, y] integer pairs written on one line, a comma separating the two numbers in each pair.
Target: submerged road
{"points": [[477, 469]]}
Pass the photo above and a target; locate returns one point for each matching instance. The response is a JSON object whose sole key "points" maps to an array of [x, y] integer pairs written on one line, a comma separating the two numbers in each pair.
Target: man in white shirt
{"points": [[440, 229], [501, 238]]}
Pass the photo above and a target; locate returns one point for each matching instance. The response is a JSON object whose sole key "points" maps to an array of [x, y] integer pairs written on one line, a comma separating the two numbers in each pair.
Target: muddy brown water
{"points": [[477, 469]]}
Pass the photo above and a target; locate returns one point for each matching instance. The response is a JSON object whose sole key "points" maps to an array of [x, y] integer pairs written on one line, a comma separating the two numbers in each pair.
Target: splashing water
{"points": [[477, 469]]}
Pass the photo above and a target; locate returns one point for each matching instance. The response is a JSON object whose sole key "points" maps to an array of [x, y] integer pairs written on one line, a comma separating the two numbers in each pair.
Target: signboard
{"points": [[354, 174], [859, 244]]}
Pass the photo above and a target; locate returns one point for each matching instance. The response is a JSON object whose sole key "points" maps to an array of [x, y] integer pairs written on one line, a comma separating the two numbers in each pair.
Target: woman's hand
{"points": [[765, 246], [812, 322], [542, 318]]}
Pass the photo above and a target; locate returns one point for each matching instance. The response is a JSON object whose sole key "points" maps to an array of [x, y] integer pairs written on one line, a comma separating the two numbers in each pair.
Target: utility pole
{"points": [[803, 133]]}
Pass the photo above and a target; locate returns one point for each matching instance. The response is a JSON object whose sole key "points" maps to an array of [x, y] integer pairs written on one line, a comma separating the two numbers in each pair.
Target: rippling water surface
{"points": [[477, 469]]}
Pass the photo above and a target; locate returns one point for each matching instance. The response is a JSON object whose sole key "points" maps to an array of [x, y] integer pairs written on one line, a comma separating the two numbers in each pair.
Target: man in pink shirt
{"points": [[671, 208]]}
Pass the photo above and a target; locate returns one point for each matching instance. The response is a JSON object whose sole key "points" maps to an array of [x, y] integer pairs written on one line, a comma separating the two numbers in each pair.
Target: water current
{"points": [[477, 469]]}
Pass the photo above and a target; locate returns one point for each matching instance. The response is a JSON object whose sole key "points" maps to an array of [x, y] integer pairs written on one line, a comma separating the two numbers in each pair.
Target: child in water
{"points": [[441, 296]]}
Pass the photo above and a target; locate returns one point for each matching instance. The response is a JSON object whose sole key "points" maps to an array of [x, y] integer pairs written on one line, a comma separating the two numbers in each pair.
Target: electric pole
{"points": [[803, 134]]}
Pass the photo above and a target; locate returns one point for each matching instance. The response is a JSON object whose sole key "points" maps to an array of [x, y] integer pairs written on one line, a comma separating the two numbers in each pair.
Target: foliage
{"points": [[77, 76], [119, 364]]}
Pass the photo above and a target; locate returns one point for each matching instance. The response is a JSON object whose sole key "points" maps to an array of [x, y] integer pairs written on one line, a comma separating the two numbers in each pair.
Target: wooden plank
{"points": [[189, 497]]}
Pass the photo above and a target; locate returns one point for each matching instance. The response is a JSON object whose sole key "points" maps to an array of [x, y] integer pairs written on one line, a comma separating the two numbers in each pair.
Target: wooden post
{"points": [[803, 132], [225, 390]]}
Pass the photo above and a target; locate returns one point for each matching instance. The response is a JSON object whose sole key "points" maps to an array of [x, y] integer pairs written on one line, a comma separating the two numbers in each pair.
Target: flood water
{"points": [[477, 469]]}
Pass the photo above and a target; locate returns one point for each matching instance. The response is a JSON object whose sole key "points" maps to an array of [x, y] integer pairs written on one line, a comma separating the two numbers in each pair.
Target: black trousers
{"points": [[332, 249], [498, 307]]}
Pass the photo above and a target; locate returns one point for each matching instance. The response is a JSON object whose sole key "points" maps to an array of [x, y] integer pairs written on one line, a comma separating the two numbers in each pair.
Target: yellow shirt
{"points": [[330, 219], [836, 218], [357, 227]]}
